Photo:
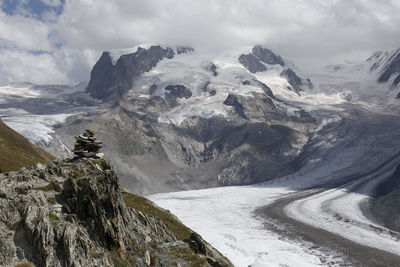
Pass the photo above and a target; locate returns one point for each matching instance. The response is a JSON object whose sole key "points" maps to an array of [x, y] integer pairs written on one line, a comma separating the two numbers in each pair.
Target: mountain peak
{"points": [[267, 56], [107, 78]]}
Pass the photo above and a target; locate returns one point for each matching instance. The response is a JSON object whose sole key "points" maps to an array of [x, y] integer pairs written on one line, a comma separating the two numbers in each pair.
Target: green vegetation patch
{"points": [[129, 260], [17, 152], [147, 207], [53, 216], [46, 188], [24, 264], [187, 254], [52, 200], [96, 254]]}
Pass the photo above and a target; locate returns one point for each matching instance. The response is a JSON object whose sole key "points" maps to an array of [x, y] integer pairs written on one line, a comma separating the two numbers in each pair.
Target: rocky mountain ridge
{"points": [[73, 212]]}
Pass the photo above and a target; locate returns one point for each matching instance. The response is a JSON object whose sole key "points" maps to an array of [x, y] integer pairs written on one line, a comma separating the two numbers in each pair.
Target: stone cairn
{"points": [[86, 146]]}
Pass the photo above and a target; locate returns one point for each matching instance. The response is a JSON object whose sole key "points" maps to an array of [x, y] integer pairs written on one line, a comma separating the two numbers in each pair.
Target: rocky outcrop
{"points": [[74, 213], [107, 79], [173, 92], [297, 84], [267, 56], [392, 68], [233, 101], [259, 55], [397, 80], [184, 49], [252, 63]]}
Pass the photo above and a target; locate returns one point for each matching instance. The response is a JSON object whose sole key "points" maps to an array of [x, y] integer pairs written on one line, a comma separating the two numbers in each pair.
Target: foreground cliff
{"points": [[74, 213]]}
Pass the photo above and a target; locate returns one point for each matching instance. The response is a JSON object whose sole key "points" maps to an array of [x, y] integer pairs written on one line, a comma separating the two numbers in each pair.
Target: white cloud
{"points": [[17, 65], [52, 3], [302, 30], [24, 32]]}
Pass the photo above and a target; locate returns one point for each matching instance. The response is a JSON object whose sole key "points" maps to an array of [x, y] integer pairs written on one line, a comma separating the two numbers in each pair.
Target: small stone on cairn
{"points": [[86, 146]]}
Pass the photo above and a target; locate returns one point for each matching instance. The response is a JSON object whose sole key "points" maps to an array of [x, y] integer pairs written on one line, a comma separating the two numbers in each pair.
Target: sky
{"points": [[59, 41]]}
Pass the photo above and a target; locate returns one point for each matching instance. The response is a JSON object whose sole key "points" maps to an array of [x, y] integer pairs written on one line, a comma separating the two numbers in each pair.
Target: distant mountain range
{"points": [[177, 118]]}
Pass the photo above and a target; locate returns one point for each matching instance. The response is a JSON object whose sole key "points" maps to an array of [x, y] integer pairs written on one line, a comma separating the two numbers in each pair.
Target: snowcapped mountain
{"points": [[176, 118], [376, 77]]}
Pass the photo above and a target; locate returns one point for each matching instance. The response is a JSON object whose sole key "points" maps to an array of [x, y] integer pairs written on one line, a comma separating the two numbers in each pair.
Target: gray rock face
{"points": [[184, 49], [259, 54], [232, 100], [265, 88], [397, 80], [267, 56], [72, 213], [295, 81], [251, 63], [172, 92], [107, 79], [393, 68]]}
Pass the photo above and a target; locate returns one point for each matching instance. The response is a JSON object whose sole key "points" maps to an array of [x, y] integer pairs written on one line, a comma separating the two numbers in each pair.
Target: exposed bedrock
{"points": [[392, 68], [74, 213], [252, 63], [173, 92], [267, 56], [107, 79], [297, 84]]}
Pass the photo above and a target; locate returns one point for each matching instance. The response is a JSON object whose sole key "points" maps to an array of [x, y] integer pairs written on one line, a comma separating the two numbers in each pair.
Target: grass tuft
{"points": [[52, 200], [53, 216], [187, 254]]}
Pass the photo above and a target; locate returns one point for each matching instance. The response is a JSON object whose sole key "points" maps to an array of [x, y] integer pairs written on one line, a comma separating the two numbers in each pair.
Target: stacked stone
{"points": [[86, 146]]}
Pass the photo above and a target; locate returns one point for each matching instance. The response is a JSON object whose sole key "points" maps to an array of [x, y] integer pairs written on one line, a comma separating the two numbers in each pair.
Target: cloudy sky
{"points": [[58, 41]]}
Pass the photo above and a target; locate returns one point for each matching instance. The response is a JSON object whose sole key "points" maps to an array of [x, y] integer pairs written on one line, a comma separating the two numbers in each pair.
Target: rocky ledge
{"points": [[73, 212]]}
